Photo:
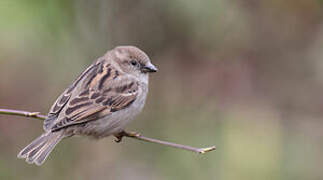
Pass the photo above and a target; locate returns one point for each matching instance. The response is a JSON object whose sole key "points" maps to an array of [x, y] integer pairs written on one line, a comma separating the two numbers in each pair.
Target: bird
{"points": [[99, 103]]}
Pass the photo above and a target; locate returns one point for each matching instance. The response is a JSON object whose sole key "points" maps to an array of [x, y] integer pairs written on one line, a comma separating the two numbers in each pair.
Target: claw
{"points": [[119, 136], [118, 140]]}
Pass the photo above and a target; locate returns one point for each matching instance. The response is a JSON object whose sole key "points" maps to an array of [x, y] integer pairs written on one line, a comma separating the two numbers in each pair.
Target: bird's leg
{"points": [[121, 134]]}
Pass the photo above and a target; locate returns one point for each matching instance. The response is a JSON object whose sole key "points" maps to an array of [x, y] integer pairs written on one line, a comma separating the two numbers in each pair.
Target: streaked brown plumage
{"points": [[99, 103]]}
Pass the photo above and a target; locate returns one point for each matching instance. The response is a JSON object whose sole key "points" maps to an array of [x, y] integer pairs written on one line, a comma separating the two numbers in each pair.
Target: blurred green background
{"points": [[246, 75]]}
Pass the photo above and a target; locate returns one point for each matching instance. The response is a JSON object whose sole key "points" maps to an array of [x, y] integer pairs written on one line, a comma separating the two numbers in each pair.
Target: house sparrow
{"points": [[99, 103]]}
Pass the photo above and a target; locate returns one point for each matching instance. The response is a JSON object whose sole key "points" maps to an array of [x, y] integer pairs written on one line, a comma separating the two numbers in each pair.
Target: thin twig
{"points": [[36, 115], [133, 135], [166, 143]]}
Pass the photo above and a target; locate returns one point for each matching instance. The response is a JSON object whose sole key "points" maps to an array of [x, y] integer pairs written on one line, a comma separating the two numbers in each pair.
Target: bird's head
{"points": [[134, 61]]}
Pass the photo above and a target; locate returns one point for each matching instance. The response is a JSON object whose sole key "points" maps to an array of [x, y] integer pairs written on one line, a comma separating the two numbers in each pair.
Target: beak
{"points": [[149, 68]]}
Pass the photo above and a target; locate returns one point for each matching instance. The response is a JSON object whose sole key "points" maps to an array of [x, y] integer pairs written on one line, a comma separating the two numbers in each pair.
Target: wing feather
{"points": [[103, 94], [65, 97]]}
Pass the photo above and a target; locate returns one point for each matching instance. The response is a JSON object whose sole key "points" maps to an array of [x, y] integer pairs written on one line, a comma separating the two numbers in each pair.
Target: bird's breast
{"points": [[116, 121]]}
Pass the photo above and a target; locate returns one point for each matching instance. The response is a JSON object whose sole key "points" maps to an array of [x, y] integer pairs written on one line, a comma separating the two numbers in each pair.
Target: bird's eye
{"points": [[133, 62]]}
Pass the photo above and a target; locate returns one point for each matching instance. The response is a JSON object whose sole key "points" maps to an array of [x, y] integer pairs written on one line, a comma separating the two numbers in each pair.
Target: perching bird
{"points": [[99, 103]]}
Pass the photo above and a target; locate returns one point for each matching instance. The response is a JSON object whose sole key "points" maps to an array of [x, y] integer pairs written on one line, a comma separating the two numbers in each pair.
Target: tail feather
{"points": [[38, 150], [32, 154], [23, 153], [49, 147]]}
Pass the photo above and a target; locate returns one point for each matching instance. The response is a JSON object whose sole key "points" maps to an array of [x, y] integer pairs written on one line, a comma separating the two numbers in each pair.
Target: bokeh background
{"points": [[246, 75]]}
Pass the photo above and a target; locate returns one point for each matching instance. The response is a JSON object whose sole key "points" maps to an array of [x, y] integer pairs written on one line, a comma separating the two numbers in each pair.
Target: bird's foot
{"points": [[121, 134]]}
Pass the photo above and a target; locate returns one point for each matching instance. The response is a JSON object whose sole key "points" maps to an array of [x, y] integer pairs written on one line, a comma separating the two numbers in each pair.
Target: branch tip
{"points": [[205, 150]]}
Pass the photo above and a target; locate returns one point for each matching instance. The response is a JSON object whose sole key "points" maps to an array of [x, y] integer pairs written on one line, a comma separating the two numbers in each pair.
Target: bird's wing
{"points": [[104, 91], [66, 95]]}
